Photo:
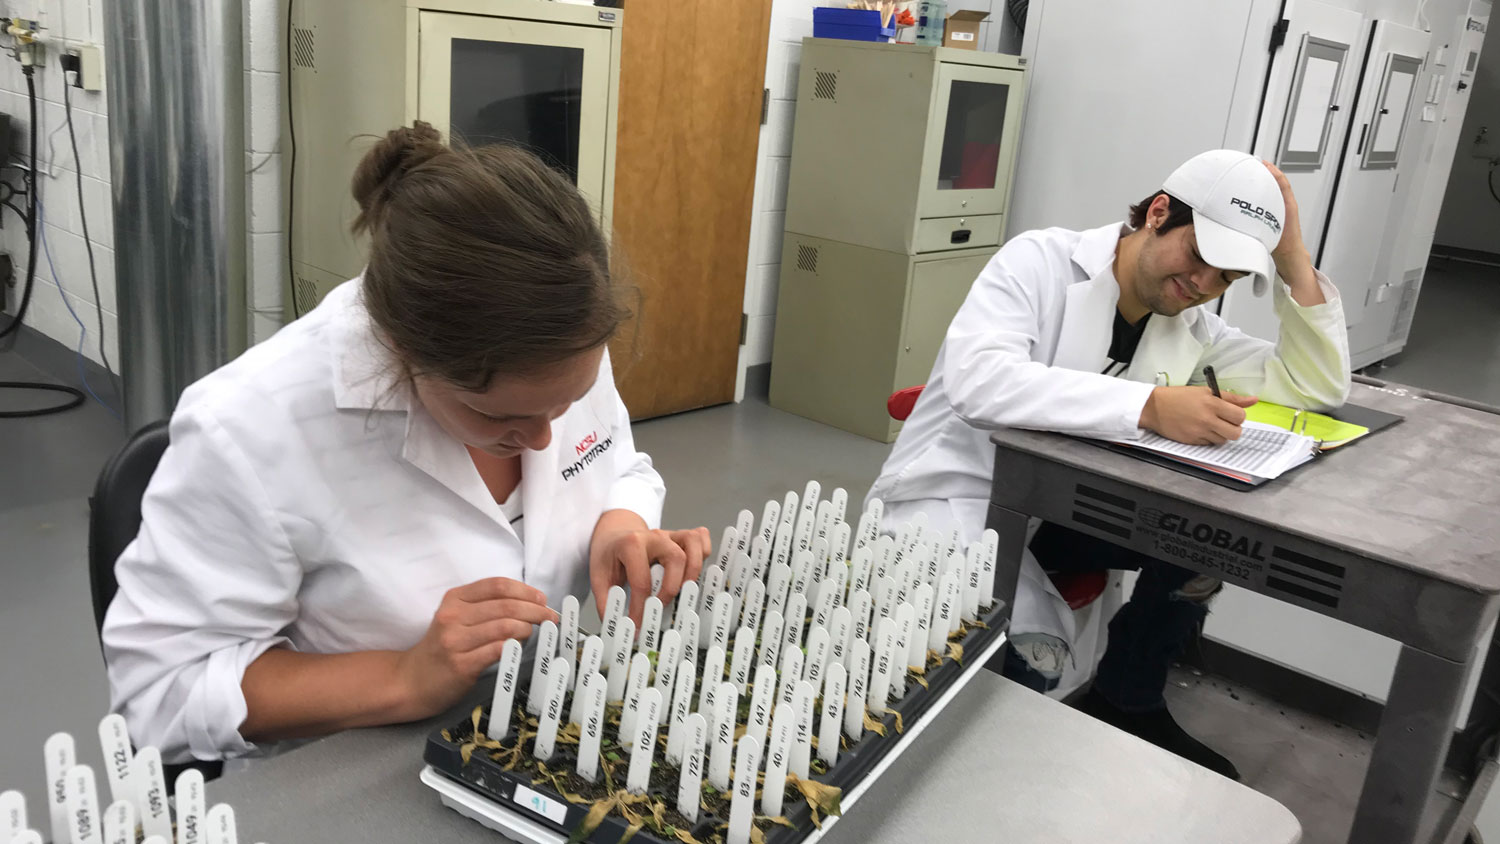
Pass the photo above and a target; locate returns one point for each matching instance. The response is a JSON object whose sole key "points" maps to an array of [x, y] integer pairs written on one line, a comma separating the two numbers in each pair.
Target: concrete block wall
{"points": [[64, 22], [791, 21], [265, 91]]}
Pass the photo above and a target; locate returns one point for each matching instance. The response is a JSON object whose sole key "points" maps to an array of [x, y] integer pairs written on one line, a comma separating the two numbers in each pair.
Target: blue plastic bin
{"points": [[847, 24]]}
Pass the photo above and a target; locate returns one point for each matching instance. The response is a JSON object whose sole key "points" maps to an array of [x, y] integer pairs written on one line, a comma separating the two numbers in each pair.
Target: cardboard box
{"points": [[962, 30]]}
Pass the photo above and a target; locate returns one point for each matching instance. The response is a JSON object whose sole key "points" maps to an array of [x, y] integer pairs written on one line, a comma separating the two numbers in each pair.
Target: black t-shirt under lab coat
{"points": [[1123, 342]]}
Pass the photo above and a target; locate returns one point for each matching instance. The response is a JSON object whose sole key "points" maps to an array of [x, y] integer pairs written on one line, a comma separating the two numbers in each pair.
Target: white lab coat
{"points": [[1026, 350], [308, 500]]}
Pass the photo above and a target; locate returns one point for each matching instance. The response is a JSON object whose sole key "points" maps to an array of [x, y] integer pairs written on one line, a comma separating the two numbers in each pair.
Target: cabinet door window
{"points": [[972, 135], [529, 94]]}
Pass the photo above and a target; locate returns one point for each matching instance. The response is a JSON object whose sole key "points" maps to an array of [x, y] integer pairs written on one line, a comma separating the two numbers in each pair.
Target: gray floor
{"points": [[715, 462]]}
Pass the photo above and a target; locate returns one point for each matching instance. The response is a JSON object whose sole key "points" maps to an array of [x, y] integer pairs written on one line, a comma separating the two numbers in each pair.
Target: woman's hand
{"points": [[624, 549], [466, 636]]}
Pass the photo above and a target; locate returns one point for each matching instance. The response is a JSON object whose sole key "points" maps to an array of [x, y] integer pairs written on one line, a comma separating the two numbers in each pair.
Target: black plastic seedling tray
{"points": [[487, 777]]}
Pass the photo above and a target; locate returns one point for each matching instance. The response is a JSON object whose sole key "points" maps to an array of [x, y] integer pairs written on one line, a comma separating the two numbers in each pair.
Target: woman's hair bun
{"points": [[380, 171]]}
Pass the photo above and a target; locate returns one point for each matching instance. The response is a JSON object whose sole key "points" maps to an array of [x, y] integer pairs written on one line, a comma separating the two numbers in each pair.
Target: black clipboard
{"points": [[1375, 420]]}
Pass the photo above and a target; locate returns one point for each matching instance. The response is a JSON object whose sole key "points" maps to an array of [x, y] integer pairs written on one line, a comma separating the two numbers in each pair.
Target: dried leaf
{"points": [[820, 797], [756, 836], [447, 736], [475, 718], [597, 813], [630, 832], [466, 751], [776, 819], [956, 651], [900, 725], [874, 725], [922, 681]]}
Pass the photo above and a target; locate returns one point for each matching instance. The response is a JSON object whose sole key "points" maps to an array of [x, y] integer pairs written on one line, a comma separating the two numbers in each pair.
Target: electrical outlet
{"points": [[90, 70]]}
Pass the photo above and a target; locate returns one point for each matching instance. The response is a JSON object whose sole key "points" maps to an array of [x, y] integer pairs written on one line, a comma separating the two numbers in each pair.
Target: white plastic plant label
{"points": [[640, 672], [546, 649], [906, 630], [595, 689], [972, 583], [876, 509], [690, 780], [885, 662], [989, 543], [61, 755], [221, 826], [781, 549], [859, 612], [739, 580], [619, 659], [838, 574], [778, 587], [823, 602], [951, 605], [791, 672], [770, 638], [651, 624], [83, 806], [682, 706], [761, 697], [743, 660], [802, 701], [658, 577], [840, 503], [823, 528], [727, 545], [754, 606], [712, 586], [778, 758], [723, 616], [817, 656], [951, 545], [556, 684], [567, 645], [690, 635], [614, 610], [114, 740], [192, 806], [687, 599], [742, 804], [885, 596], [119, 822], [151, 791], [713, 674], [802, 573], [864, 534], [921, 639], [588, 665], [502, 703], [643, 746], [885, 551], [12, 814], [833, 715], [721, 735], [839, 628], [744, 529], [796, 617], [31, 836], [859, 689], [666, 661], [769, 517]]}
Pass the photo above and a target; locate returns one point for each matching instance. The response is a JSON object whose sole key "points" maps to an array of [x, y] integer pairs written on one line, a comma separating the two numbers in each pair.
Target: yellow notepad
{"points": [[1329, 432]]}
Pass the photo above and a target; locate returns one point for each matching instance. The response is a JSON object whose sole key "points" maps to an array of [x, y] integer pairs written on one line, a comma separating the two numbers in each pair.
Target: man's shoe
{"points": [[1158, 727]]}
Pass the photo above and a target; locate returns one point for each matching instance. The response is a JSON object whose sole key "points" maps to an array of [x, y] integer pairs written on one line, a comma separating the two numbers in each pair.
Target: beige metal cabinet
{"points": [[902, 159], [537, 73]]}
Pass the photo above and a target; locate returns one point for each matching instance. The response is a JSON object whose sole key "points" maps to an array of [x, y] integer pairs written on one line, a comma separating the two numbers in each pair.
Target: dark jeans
{"points": [[1148, 632]]}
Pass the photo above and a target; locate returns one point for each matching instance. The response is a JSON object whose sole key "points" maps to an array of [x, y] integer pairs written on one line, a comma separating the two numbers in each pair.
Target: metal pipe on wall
{"points": [[176, 136]]}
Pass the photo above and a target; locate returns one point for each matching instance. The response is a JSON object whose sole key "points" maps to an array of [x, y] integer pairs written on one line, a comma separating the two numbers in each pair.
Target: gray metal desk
{"points": [[1398, 534], [1002, 764]]}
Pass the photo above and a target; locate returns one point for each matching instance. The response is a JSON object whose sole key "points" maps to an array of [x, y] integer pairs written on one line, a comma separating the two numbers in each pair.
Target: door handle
{"points": [[960, 236]]}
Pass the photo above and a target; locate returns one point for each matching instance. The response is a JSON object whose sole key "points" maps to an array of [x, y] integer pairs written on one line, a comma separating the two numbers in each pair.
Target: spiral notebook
{"points": [[1267, 447]]}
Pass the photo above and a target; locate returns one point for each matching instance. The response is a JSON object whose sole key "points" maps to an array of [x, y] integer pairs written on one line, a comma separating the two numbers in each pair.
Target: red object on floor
{"points": [[1080, 589]]}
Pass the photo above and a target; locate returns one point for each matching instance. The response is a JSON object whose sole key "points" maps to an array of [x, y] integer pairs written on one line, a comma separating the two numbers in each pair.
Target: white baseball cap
{"points": [[1237, 211]]}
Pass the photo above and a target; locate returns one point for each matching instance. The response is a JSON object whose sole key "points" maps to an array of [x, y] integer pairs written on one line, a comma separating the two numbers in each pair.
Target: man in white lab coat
{"points": [[1100, 333]]}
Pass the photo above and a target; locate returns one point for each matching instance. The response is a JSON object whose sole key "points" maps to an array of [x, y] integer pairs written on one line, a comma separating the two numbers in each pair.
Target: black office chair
{"points": [[114, 520]]}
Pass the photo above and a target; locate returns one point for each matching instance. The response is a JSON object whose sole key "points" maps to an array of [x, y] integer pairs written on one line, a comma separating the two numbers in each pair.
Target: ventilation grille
{"points": [[1298, 575], [807, 258], [825, 85], [303, 47], [306, 293], [1408, 305], [1104, 511]]}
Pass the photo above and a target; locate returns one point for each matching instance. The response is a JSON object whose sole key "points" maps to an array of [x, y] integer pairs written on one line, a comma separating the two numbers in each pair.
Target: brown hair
{"points": [[1179, 213], [482, 259]]}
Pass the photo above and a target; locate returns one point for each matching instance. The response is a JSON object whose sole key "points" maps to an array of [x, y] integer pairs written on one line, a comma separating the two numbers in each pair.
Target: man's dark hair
{"points": [[1179, 213]]}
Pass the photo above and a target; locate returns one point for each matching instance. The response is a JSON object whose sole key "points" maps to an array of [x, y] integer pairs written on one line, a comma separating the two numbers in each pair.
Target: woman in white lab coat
{"points": [[355, 515], [1098, 333]]}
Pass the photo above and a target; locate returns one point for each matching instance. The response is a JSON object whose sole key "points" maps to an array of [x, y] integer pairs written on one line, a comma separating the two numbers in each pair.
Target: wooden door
{"points": [[691, 76]]}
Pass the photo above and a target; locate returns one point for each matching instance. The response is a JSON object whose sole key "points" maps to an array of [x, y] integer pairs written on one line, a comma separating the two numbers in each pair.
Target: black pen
{"points": [[1213, 383]]}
